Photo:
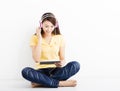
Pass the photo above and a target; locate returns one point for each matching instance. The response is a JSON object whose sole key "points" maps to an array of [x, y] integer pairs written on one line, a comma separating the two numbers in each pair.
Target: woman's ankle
{"points": [[34, 85], [68, 83]]}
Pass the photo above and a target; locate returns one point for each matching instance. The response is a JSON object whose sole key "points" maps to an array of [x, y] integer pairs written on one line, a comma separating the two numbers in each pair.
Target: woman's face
{"points": [[48, 27]]}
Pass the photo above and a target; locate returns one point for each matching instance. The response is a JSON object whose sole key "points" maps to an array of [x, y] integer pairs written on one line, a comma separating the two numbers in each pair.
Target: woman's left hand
{"points": [[60, 64]]}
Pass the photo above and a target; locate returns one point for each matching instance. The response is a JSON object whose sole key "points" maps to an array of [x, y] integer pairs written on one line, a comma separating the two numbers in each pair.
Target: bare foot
{"points": [[36, 85], [68, 83]]}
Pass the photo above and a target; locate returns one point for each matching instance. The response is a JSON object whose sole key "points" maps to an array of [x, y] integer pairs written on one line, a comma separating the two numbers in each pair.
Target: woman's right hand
{"points": [[38, 32]]}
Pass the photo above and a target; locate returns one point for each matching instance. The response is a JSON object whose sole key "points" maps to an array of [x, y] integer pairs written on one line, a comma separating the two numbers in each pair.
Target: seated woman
{"points": [[47, 45]]}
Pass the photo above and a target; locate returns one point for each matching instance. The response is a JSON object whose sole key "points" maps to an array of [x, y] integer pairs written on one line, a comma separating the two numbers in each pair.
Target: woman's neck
{"points": [[47, 36]]}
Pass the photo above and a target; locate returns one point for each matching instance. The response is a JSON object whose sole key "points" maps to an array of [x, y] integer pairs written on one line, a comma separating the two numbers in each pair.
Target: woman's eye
{"points": [[52, 26], [46, 26]]}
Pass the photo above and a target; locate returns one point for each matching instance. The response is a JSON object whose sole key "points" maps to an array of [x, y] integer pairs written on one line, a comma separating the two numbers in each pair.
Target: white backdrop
{"points": [[91, 29]]}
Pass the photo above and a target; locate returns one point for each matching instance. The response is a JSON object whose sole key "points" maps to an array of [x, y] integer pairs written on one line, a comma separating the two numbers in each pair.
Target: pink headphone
{"points": [[44, 17]]}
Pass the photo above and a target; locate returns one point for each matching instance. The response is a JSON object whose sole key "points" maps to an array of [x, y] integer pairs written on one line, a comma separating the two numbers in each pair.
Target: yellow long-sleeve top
{"points": [[48, 51]]}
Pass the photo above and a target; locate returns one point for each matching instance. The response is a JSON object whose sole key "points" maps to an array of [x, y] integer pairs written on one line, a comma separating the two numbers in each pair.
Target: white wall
{"points": [[91, 29]]}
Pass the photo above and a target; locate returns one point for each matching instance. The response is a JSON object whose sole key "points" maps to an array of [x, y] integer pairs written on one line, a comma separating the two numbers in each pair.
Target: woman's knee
{"points": [[76, 65], [25, 71]]}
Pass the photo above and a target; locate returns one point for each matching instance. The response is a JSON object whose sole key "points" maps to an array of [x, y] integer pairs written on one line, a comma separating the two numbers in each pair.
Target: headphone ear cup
{"points": [[56, 25], [41, 25]]}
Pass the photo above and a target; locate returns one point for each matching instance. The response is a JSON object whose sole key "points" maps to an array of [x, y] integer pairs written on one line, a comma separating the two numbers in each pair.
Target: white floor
{"points": [[84, 84]]}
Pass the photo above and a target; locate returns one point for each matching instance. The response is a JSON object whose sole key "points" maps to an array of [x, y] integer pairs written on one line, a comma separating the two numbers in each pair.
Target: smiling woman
{"points": [[48, 45]]}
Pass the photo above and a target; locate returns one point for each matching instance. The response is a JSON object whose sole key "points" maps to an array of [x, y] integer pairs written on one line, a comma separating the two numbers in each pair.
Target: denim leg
{"points": [[67, 71], [38, 77]]}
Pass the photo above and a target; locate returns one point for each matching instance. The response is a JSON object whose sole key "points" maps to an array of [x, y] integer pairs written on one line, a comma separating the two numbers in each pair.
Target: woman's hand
{"points": [[38, 32], [60, 64]]}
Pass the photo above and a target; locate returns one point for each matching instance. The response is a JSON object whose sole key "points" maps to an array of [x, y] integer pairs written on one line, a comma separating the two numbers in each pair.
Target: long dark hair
{"points": [[51, 18]]}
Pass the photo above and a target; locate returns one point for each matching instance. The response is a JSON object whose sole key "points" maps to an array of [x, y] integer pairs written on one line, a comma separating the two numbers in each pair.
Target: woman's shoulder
{"points": [[59, 36], [34, 36]]}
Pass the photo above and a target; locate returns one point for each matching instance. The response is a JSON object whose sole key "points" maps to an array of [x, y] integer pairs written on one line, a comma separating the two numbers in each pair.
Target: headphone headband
{"points": [[47, 15]]}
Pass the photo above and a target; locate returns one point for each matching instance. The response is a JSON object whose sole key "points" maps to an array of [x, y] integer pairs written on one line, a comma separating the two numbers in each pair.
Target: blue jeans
{"points": [[50, 77]]}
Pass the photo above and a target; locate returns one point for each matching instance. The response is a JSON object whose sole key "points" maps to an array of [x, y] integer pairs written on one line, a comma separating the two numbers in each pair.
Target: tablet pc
{"points": [[48, 62]]}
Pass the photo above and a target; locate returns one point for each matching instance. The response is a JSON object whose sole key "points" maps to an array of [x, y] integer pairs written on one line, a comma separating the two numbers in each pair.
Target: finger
{"points": [[38, 31]]}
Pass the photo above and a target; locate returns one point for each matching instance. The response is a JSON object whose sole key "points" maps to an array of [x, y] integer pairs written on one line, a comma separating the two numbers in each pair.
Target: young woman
{"points": [[47, 45]]}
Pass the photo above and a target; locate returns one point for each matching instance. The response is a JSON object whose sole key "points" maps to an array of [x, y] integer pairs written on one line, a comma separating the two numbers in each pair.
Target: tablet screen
{"points": [[48, 62]]}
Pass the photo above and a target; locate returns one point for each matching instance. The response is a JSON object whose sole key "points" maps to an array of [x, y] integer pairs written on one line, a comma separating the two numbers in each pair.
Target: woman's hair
{"points": [[51, 18]]}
